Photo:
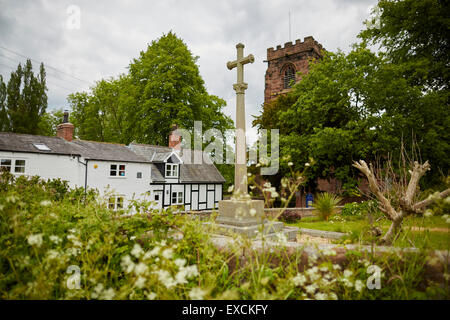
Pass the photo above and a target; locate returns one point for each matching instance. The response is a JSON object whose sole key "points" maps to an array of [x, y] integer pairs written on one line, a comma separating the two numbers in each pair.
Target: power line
{"points": [[48, 66], [49, 82], [48, 74]]}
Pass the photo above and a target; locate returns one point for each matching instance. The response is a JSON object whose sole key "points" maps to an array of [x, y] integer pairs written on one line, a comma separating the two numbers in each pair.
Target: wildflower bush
{"points": [[59, 243], [360, 209]]}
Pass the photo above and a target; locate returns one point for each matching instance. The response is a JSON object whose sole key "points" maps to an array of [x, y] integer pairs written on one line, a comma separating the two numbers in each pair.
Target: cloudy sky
{"points": [[112, 33]]}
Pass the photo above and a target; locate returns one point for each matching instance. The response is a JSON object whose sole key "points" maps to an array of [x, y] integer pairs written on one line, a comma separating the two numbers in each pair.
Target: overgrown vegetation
{"points": [[48, 233]]}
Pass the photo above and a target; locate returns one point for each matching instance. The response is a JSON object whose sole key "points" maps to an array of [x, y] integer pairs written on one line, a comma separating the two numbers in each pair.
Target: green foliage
{"points": [[363, 105], [23, 100], [325, 205], [49, 121], [163, 87], [361, 209], [47, 230]]}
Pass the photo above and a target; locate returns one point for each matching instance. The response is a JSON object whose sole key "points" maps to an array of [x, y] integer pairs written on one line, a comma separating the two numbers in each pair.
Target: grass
{"points": [[356, 227]]}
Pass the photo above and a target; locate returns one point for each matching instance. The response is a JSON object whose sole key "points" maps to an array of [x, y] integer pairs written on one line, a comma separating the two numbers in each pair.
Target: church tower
{"points": [[284, 63]]}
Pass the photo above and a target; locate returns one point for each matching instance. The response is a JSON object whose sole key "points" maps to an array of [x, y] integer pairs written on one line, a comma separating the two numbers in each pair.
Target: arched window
{"points": [[288, 77]]}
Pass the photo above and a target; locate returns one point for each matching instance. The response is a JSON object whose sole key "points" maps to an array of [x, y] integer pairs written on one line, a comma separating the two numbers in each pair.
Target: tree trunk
{"points": [[388, 238]]}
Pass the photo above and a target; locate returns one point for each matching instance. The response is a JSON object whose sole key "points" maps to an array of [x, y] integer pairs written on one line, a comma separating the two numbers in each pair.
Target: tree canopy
{"points": [[163, 87], [23, 100], [366, 105]]}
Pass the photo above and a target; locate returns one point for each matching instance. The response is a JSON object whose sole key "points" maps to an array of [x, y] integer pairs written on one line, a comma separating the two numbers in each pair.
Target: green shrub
{"points": [[360, 209], [325, 205]]}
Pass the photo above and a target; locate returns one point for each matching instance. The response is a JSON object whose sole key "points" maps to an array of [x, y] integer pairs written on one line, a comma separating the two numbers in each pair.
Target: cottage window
{"points": [[115, 202], [171, 170], [117, 170], [288, 77], [20, 166], [177, 197], [139, 175], [5, 165]]}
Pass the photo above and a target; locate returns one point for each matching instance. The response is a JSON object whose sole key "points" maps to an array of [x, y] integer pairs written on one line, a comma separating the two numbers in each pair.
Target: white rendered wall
{"points": [[49, 166]]}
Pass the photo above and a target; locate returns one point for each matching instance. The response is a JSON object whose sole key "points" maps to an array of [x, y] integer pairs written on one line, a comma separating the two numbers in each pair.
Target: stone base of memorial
{"points": [[246, 217]]}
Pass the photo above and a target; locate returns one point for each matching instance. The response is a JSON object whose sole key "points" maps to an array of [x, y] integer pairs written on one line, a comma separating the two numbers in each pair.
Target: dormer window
{"points": [[171, 170]]}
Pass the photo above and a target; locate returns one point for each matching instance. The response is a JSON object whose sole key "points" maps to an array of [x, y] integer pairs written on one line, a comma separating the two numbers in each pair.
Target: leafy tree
{"points": [[26, 100], [4, 123], [49, 121], [413, 34], [163, 87], [358, 106]]}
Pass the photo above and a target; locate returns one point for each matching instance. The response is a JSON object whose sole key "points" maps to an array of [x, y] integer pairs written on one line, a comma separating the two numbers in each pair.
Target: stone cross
{"points": [[240, 170]]}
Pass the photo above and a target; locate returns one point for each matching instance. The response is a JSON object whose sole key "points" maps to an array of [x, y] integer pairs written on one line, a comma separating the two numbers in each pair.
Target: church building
{"points": [[285, 64]]}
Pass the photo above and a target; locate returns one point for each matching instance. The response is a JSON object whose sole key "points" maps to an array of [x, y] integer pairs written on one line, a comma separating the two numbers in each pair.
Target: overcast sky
{"points": [[112, 33]]}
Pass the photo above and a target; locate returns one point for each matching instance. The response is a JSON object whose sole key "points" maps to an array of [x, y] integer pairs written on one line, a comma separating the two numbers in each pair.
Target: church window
{"points": [[288, 77]]}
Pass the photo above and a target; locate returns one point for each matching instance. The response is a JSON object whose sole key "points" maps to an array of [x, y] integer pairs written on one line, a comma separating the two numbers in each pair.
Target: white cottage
{"points": [[122, 172]]}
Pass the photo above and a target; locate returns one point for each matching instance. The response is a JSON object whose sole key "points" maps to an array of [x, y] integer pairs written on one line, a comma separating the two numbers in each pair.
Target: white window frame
{"points": [[178, 196], [117, 170], [171, 170], [115, 204], [19, 166], [3, 166]]}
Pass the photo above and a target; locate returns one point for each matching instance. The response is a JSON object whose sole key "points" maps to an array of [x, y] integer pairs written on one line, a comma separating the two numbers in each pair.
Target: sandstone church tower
{"points": [[284, 63]]}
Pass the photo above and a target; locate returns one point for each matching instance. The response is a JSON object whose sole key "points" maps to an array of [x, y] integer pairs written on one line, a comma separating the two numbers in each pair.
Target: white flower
{"points": [[127, 264], [324, 269], [167, 253], [348, 273], [108, 294], [165, 278], [267, 185], [35, 239], [46, 203], [336, 267], [151, 296], [197, 294], [55, 239], [140, 268], [347, 282], [137, 250], [307, 164], [252, 212], [328, 252], [180, 262], [428, 213], [191, 271], [154, 252], [52, 254], [332, 296], [290, 164], [311, 288], [359, 285], [320, 296], [140, 282], [299, 280], [230, 188]]}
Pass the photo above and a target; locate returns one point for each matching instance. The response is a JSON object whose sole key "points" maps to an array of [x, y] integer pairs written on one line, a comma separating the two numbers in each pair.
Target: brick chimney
{"points": [[174, 139], [65, 129]]}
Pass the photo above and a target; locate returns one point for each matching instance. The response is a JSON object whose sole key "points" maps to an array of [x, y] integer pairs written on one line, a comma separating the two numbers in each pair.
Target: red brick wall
{"points": [[297, 54], [65, 131]]}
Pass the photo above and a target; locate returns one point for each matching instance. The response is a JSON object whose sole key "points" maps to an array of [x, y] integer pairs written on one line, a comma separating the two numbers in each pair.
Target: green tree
{"points": [[26, 100], [163, 87], [49, 121], [413, 34], [4, 123], [169, 89]]}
